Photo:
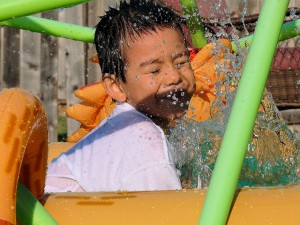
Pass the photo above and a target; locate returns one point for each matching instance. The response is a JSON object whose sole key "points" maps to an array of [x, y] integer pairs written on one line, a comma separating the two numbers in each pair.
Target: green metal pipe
{"points": [[289, 30], [15, 8], [86, 34], [52, 27], [29, 210], [194, 24], [239, 129]]}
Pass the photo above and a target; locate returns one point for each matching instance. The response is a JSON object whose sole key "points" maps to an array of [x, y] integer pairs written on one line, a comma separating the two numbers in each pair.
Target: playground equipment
{"points": [[266, 205], [167, 207]]}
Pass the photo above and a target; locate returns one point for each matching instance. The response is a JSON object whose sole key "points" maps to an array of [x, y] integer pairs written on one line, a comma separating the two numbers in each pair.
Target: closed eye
{"points": [[182, 63], [155, 71], [181, 59]]}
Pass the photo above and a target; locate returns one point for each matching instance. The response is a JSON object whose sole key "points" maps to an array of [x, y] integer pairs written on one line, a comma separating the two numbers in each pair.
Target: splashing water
{"points": [[273, 153]]}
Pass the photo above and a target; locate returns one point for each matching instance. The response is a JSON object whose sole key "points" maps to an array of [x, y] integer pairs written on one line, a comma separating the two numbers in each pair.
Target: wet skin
{"points": [[159, 78]]}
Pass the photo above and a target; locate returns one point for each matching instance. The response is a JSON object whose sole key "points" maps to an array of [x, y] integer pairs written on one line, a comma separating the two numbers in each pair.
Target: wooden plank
{"points": [[295, 128], [30, 61], [233, 6], [251, 6], [1, 56], [239, 8], [291, 116], [93, 11], [49, 73], [294, 3], [75, 70], [10, 57], [70, 63]]}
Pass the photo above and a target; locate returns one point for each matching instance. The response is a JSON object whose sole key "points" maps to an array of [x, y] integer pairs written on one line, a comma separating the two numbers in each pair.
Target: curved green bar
{"points": [[289, 30], [16, 8], [52, 27], [239, 129], [86, 34], [29, 210], [194, 24]]}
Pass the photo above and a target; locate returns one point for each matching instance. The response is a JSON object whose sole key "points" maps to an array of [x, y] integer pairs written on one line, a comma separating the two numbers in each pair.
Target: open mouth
{"points": [[172, 94], [175, 96]]}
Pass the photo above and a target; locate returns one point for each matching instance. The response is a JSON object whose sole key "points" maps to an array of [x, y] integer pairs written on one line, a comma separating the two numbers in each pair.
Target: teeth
{"points": [[174, 97], [175, 94]]}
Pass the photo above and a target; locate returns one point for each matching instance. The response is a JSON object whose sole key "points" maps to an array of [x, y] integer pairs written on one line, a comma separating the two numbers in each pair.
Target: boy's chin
{"points": [[177, 115], [166, 118]]}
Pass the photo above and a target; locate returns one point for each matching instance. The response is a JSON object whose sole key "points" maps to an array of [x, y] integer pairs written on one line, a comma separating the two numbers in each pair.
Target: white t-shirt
{"points": [[127, 151]]}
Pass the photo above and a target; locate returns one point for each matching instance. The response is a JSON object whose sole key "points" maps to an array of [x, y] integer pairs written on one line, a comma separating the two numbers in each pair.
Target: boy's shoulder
{"points": [[125, 122], [125, 113], [126, 128]]}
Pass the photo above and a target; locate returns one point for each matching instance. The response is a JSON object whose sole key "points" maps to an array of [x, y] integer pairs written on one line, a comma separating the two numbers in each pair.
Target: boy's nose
{"points": [[173, 76]]}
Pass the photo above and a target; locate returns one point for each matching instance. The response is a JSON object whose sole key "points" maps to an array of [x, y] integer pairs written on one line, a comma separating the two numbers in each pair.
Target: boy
{"points": [[145, 65]]}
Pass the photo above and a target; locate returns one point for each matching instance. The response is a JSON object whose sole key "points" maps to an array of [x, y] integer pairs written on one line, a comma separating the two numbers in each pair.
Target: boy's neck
{"points": [[163, 124]]}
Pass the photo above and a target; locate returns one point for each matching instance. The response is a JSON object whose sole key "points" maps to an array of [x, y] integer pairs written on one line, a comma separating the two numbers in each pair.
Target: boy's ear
{"points": [[113, 88]]}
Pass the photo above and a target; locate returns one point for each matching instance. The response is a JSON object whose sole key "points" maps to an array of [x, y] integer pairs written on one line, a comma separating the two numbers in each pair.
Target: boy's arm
{"points": [[154, 177], [60, 179]]}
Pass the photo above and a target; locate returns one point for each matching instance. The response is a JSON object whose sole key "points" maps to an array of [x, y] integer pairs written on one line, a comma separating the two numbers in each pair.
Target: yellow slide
{"points": [[23, 155], [23, 148]]}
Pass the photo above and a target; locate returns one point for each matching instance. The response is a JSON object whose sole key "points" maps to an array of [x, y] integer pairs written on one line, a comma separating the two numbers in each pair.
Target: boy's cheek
{"points": [[193, 82], [194, 88]]}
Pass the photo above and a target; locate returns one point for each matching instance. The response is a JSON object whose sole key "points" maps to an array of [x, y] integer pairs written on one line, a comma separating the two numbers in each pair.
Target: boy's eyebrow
{"points": [[157, 60], [150, 61], [178, 55]]}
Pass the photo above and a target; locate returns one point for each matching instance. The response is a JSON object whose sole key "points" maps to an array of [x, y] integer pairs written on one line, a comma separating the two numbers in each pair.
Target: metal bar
{"points": [[29, 210], [52, 27], [15, 8], [241, 121], [194, 24]]}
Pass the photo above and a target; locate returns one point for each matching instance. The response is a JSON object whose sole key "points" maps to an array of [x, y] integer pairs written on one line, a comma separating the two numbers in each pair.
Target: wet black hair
{"points": [[134, 18]]}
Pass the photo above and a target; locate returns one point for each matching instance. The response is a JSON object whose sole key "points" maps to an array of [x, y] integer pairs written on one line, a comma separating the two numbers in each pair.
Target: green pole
{"points": [[16, 8], [86, 34], [52, 27], [240, 125], [194, 24], [29, 210], [289, 30]]}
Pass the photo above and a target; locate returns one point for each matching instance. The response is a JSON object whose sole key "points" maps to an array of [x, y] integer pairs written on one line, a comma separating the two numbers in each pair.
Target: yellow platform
{"points": [[255, 206]]}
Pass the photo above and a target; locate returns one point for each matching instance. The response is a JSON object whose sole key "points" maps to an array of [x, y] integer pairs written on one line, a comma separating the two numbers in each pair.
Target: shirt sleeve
{"points": [[156, 177], [60, 178]]}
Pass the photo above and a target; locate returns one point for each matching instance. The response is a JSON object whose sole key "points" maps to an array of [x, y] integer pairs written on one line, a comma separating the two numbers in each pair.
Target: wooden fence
{"points": [[52, 68]]}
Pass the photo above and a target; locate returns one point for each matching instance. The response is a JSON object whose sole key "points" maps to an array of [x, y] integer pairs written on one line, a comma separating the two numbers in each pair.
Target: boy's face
{"points": [[159, 78]]}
